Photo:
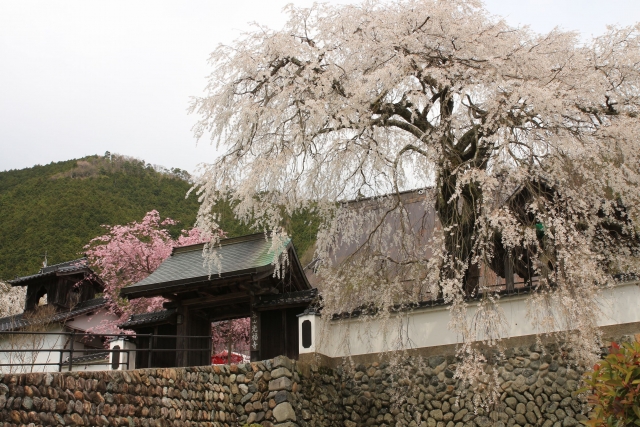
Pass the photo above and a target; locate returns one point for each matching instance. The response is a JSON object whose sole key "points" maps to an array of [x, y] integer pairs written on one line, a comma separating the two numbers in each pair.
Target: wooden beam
{"points": [[216, 300], [238, 314], [250, 288], [508, 271]]}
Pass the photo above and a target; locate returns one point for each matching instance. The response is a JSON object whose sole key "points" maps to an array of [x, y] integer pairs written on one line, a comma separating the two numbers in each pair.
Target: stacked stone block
{"points": [[538, 388], [209, 396]]}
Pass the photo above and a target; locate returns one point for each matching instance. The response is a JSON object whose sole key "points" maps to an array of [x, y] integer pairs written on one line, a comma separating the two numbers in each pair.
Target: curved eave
{"points": [[34, 278], [181, 285], [157, 289]]}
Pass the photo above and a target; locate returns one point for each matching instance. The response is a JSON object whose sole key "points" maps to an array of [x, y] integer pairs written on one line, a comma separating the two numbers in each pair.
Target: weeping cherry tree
{"points": [[526, 146]]}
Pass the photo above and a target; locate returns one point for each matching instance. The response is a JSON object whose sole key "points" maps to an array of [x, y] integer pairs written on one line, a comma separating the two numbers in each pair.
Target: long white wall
{"points": [[15, 352], [429, 327], [29, 353], [14, 346]]}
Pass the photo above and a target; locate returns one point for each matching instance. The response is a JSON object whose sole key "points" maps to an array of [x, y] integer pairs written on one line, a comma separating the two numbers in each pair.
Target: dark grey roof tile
{"points": [[147, 318], [19, 321], [102, 356], [51, 270], [291, 298], [235, 255]]}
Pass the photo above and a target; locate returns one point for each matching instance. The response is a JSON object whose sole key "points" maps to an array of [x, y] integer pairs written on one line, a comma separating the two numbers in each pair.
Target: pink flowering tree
{"points": [[128, 253], [230, 335]]}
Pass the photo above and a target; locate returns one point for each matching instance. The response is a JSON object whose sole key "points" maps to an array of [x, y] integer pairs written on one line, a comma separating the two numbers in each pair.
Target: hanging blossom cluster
{"points": [[526, 145], [129, 253]]}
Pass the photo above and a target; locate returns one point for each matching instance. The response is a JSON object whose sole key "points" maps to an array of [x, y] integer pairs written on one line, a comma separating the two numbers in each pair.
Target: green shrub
{"points": [[615, 388]]}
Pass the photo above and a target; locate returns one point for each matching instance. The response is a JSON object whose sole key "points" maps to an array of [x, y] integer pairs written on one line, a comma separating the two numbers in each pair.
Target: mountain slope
{"points": [[58, 208]]}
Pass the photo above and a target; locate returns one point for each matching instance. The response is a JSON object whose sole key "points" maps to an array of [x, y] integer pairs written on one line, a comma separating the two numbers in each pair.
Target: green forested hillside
{"points": [[58, 208]]}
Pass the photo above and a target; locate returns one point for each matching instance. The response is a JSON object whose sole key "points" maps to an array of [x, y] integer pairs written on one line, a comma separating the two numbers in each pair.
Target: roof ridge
{"points": [[223, 242], [82, 308], [147, 318], [63, 267], [91, 302], [62, 264], [153, 313]]}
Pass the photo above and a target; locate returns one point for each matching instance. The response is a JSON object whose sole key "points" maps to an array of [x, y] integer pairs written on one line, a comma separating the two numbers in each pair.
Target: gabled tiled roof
{"points": [[67, 265], [102, 357], [19, 321], [244, 254], [63, 268], [147, 318]]}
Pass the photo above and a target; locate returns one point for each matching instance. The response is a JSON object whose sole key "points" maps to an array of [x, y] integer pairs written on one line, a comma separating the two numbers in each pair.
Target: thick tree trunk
{"points": [[458, 218]]}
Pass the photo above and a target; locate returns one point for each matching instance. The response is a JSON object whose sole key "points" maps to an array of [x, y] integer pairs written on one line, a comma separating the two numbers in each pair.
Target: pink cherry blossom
{"points": [[129, 253], [126, 254]]}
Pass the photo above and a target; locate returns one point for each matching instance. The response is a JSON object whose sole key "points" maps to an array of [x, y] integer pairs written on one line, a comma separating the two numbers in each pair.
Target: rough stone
{"points": [[460, 414], [27, 403], [282, 383], [436, 414], [284, 412], [512, 402], [282, 396], [281, 361], [281, 372], [275, 393]]}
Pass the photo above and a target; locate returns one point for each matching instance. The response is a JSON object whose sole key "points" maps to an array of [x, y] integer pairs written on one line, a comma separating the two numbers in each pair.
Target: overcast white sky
{"points": [[84, 77]]}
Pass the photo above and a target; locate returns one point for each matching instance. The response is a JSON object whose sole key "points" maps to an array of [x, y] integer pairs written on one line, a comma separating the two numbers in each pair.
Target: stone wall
{"points": [[538, 388], [537, 385], [208, 396]]}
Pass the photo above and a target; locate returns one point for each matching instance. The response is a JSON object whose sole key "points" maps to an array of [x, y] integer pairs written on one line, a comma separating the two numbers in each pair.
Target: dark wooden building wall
{"points": [[200, 354], [271, 342], [61, 292], [279, 333], [159, 359], [292, 350]]}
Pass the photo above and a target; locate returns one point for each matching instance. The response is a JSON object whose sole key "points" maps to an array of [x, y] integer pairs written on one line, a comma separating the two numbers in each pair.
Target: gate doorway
{"points": [[245, 286]]}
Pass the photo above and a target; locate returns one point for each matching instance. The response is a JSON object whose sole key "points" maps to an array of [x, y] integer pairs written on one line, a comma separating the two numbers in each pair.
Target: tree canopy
{"points": [[58, 208], [127, 254], [526, 143]]}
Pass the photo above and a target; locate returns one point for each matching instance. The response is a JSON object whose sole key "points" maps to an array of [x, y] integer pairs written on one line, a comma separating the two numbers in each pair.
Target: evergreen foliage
{"points": [[58, 208], [615, 387]]}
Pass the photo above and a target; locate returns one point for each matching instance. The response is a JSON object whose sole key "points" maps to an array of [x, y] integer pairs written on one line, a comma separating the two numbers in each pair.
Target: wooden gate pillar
{"points": [[254, 335], [182, 331]]}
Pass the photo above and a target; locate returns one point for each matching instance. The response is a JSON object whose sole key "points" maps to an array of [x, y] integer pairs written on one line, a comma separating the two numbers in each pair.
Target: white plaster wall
{"points": [[124, 355], [26, 360], [314, 320], [85, 322], [428, 327], [43, 342]]}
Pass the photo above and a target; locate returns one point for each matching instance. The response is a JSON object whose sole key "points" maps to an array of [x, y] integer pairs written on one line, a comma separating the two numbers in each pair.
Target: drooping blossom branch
{"points": [[527, 146], [128, 253]]}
